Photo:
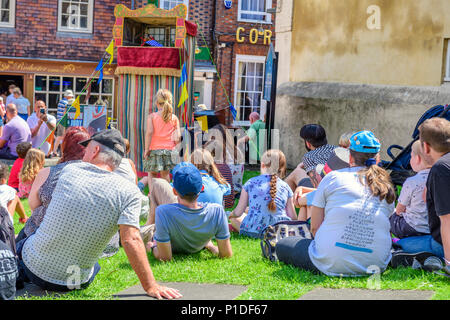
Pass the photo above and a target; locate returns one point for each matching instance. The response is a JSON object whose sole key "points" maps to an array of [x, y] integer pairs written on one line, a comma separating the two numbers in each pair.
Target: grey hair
{"points": [[109, 156]]}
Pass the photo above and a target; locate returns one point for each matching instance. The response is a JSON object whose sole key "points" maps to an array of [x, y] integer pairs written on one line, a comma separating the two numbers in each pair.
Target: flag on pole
{"points": [[76, 105], [100, 68], [233, 111], [183, 79], [203, 123], [110, 50]]}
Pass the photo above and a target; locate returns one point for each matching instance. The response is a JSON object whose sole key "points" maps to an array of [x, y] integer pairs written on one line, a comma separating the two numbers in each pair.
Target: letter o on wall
{"points": [[253, 36]]}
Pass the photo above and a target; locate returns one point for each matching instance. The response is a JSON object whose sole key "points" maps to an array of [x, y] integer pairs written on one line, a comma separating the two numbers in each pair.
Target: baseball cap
{"points": [[110, 138], [68, 93], [187, 179], [365, 142], [339, 159]]}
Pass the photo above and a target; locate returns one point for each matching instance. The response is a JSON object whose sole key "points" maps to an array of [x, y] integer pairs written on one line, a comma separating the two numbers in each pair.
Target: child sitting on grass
{"points": [[215, 186], [8, 197], [22, 150], [411, 215], [188, 226], [269, 198], [33, 163]]}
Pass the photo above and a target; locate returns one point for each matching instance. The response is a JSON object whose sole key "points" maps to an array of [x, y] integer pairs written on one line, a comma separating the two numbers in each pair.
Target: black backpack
{"points": [[7, 235], [8, 257]]}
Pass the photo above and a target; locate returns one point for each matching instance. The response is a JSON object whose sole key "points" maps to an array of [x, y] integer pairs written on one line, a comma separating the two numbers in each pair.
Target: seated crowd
{"points": [[91, 199]]}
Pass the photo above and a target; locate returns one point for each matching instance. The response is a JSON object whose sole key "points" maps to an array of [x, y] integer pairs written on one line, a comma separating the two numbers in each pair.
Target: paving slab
{"points": [[35, 291], [365, 294], [190, 291]]}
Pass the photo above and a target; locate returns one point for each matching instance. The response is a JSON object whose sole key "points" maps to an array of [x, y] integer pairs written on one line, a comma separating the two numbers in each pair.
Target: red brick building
{"points": [[239, 39], [49, 46]]}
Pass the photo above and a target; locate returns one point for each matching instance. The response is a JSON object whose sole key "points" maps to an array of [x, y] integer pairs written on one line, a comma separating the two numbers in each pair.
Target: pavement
{"points": [[190, 291], [365, 294]]}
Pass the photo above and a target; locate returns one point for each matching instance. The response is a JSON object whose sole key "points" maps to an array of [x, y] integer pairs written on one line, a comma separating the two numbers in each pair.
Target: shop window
{"points": [[50, 89], [75, 15], [254, 11], [249, 86], [7, 13]]}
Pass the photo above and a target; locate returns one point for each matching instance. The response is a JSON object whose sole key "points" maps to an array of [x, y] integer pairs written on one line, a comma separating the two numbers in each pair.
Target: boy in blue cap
{"points": [[188, 226]]}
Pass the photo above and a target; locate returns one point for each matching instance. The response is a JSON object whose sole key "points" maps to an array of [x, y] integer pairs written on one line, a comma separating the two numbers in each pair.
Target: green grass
{"points": [[264, 280]]}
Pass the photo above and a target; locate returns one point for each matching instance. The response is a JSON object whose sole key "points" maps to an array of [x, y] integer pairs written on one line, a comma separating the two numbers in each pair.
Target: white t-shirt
{"points": [[87, 207], [43, 132], [416, 214], [7, 194], [354, 238]]}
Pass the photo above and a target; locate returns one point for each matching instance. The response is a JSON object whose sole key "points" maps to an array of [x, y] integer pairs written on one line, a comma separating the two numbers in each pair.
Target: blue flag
{"points": [[154, 43], [233, 111], [100, 68], [183, 77]]}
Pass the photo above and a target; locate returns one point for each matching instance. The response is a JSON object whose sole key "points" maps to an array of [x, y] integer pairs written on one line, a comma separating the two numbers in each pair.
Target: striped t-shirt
{"points": [[317, 156], [62, 105]]}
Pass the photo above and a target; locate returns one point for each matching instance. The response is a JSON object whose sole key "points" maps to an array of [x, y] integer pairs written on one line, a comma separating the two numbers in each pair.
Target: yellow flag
{"points": [[76, 105], [203, 123], [184, 95], [110, 50]]}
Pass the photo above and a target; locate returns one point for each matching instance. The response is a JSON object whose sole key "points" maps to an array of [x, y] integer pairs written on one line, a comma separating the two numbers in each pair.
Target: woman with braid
{"points": [[350, 218], [267, 196]]}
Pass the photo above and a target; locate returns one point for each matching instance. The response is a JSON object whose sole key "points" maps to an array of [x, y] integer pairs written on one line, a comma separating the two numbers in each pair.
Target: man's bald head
{"points": [[254, 116], [11, 111]]}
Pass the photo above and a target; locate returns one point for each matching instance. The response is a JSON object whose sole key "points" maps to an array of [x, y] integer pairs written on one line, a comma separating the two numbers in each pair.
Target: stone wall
{"points": [[391, 112]]}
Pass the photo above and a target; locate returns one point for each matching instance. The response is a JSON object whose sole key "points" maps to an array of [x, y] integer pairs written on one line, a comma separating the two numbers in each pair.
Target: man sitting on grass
{"points": [[89, 203], [189, 226]]}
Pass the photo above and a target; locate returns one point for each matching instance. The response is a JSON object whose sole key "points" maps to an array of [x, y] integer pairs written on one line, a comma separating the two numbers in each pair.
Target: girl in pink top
{"points": [[32, 164], [161, 137]]}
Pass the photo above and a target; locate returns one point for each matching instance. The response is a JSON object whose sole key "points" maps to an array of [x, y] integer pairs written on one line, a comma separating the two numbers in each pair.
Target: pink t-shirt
{"points": [[162, 137], [24, 189]]}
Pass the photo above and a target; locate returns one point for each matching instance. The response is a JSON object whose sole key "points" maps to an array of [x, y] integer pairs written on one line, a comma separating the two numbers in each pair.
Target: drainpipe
{"points": [[132, 4]]}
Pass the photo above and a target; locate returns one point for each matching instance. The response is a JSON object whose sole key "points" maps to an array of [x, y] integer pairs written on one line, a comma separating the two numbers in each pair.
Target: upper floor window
{"points": [[170, 4], [254, 11], [447, 62], [75, 15], [7, 13]]}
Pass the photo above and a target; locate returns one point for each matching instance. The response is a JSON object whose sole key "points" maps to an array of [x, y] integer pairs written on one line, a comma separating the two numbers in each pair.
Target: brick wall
{"points": [[201, 11], [36, 35], [225, 31]]}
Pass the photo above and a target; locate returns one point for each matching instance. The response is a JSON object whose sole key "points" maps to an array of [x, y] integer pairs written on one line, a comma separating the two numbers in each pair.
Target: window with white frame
{"points": [[447, 62], [50, 89], [75, 15], [170, 4], [249, 86], [254, 11], [7, 13]]}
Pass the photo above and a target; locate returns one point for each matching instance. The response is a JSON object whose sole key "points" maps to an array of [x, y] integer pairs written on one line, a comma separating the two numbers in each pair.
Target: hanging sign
{"points": [[228, 4]]}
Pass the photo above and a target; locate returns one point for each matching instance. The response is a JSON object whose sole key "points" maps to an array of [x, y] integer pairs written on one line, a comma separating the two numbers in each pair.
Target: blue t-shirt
{"points": [[22, 105], [354, 237], [189, 230], [259, 216], [62, 105], [214, 191]]}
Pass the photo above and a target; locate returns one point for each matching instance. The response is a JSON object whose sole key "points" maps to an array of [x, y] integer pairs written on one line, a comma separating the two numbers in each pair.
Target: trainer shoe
{"points": [[406, 259]]}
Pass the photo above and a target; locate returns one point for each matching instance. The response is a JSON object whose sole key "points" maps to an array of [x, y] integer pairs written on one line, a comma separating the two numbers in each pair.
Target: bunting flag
{"points": [[154, 43], [233, 111], [110, 50], [203, 120], [183, 80], [100, 68], [76, 105]]}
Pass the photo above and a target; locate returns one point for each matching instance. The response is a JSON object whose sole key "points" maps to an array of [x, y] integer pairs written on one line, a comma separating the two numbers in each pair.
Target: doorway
{"points": [[6, 80]]}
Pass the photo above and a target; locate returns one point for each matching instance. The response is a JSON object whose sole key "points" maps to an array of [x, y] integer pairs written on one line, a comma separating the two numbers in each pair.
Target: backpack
{"points": [[273, 233], [7, 234]]}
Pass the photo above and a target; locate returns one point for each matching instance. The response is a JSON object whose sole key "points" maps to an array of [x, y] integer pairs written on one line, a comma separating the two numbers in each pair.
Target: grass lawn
{"points": [[265, 280]]}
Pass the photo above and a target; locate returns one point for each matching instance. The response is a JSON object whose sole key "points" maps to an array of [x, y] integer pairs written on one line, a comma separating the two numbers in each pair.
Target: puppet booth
{"points": [[155, 49]]}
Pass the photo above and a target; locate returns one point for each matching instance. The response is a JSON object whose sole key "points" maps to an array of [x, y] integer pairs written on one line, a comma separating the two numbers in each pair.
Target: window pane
{"points": [[108, 101], [5, 4], [259, 69], [5, 16], [250, 84], [93, 99], [83, 22], [41, 96], [53, 101], [80, 83], [251, 69], [84, 9], [65, 8], [54, 84], [107, 86], [67, 84], [64, 21], [241, 84], [95, 87], [258, 84], [40, 83]]}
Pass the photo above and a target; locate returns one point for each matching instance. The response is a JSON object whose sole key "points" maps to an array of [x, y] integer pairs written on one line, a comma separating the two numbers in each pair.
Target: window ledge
{"points": [[81, 35], [5, 29], [254, 21]]}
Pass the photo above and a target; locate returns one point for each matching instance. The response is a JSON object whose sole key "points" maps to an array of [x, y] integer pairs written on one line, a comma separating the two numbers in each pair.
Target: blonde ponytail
{"points": [[375, 177], [203, 160], [164, 99], [274, 162]]}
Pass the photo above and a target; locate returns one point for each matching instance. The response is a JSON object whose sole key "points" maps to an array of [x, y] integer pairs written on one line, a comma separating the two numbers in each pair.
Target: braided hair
{"points": [[274, 162]]}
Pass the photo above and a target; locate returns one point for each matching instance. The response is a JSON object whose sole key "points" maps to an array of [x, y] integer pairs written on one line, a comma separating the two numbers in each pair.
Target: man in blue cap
{"points": [[188, 226]]}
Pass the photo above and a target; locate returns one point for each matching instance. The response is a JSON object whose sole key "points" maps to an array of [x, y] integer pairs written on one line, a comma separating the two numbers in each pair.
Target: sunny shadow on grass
{"points": [[247, 267]]}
